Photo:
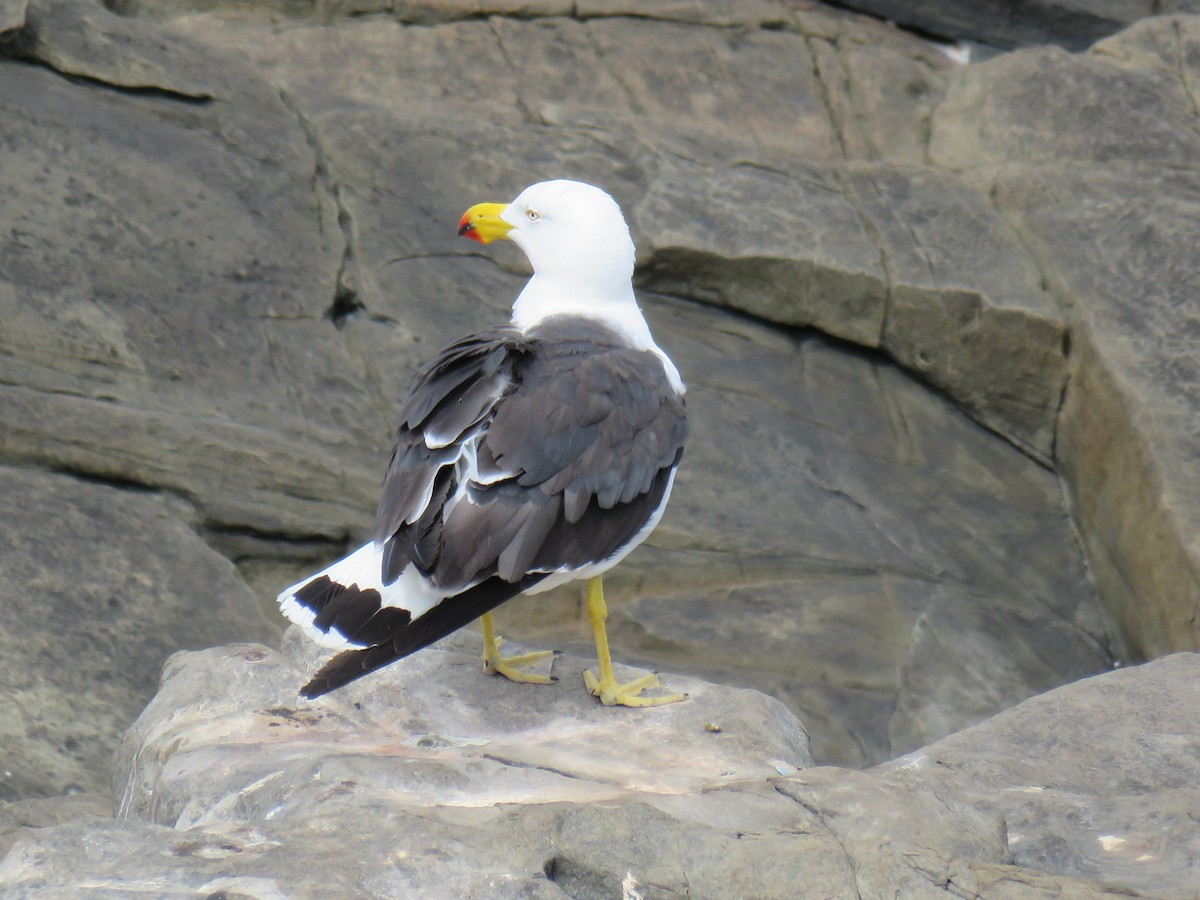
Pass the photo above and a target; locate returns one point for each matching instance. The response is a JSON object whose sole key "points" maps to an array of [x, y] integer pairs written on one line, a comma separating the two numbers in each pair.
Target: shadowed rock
{"points": [[100, 586]]}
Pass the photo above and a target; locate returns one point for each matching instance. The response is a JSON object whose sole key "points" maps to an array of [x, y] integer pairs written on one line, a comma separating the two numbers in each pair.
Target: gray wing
{"points": [[450, 402], [518, 455]]}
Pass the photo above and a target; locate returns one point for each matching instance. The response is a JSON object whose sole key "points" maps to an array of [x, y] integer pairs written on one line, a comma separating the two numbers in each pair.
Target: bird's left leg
{"points": [[606, 687], [510, 666]]}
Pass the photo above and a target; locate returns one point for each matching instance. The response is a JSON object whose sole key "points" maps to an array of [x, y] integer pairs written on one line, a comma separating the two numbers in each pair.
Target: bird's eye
{"points": [[532, 215]]}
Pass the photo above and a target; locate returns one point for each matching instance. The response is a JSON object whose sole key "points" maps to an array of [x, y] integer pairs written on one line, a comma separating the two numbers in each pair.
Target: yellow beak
{"points": [[482, 223]]}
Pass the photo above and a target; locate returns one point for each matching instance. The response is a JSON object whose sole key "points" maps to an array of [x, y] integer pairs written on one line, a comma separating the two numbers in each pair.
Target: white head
{"points": [[582, 256], [573, 234]]}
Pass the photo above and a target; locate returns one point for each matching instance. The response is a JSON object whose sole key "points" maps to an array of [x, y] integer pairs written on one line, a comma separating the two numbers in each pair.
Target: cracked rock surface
{"points": [[434, 779], [939, 328]]}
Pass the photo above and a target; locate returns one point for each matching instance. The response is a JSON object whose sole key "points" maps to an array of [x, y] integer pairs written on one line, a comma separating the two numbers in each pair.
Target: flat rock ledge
{"points": [[431, 779]]}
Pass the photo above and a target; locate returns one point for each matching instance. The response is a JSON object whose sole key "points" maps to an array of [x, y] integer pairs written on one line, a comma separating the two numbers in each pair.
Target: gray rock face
{"points": [[165, 271], [1123, 181], [22, 817], [1073, 24], [308, 263], [12, 14], [917, 303], [934, 605], [100, 586], [433, 779]]}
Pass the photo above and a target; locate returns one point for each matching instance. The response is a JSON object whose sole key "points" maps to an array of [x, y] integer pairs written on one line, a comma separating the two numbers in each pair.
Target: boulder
{"points": [[101, 584], [232, 242], [1116, 174], [12, 14], [168, 263], [306, 262], [1072, 24], [430, 778]]}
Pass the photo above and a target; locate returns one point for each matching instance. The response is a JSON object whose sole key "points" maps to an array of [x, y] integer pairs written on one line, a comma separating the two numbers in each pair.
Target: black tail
{"points": [[448, 616]]}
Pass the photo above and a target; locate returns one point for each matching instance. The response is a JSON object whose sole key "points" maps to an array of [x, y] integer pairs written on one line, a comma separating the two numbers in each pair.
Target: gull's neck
{"points": [[613, 305]]}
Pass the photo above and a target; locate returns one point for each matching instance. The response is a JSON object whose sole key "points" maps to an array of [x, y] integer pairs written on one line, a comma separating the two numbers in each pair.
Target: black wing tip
{"points": [[314, 689], [341, 670]]}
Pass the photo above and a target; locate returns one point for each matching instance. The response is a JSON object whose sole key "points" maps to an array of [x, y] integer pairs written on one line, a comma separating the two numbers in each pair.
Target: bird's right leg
{"points": [[510, 666]]}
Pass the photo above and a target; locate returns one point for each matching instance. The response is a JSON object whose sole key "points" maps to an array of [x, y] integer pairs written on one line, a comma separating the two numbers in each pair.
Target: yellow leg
{"points": [[510, 666], [606, 687]]}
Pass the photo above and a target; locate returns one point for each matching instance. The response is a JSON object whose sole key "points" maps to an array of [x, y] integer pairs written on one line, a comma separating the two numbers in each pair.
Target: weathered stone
{"points": [[85, 39], [965, 308], [1128, 445], [880, 85], [18, 817], [752, 13], [1046, 106], [807, 262], [1125, 114], [230, 241], [100, 585], [12, 14], [1074, 24], [458, 737], [1095, 780], [164, 293], [429, 779], [886, 617], [770, 416]]}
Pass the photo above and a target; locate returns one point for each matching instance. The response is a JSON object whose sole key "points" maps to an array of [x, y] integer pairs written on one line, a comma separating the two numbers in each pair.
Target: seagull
{"points": [[527, 455]]}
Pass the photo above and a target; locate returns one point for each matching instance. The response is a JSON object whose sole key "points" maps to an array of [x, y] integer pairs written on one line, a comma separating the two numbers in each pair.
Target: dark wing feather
{"points": [[594, 420], [590, 434], [576, 436], [440, 621], [457, 389]]}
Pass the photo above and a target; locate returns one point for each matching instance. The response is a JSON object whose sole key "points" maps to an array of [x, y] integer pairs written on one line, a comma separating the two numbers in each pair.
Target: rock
{"points": [[1046, 106], [19, 817], [101, 585], [876, 612], [959, 326], [231, 242], [169, 257], [87, 40], [810, 263], [430, 778], [834, 256], [457, 735], [880, 85], [1105, 794], [1127, 443], [1070, 23], [283, 256], [12, 14]]}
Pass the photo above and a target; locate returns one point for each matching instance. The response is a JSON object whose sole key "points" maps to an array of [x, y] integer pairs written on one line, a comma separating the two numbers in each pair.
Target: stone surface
{"points": [[878, 611], [999, 112], [261, 385], [17, 818], [229, 241], [434, 779], [1123, 181], [1109, 795], [830, 257], [12, 14], [1074, 24], [957, 330], [100, 586], [164, 286]]}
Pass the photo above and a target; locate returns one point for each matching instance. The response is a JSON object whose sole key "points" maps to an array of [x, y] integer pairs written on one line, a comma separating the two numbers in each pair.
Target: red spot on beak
{"points": [[466, 228]]}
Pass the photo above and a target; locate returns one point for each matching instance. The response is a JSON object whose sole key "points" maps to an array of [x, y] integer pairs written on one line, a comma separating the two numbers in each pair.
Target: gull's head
{"points": [[569, 231]]}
